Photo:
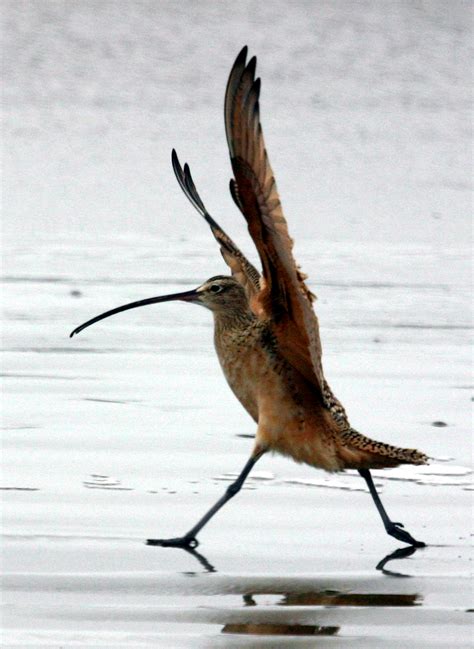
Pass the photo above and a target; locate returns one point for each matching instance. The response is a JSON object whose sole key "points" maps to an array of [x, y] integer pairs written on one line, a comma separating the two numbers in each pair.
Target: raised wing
{"points": [[284, 299], [243, 271]]}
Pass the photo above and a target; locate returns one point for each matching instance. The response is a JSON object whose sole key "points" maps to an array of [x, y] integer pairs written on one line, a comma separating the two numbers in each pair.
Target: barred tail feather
{"points": [[358, 451]]}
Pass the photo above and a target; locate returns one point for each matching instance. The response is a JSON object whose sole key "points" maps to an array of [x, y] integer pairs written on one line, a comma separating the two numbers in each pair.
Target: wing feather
{"points": [[243, 271], [284, 298]]}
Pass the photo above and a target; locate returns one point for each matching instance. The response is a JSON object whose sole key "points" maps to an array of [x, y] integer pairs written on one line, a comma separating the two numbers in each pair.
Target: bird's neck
{"points": [[237, 319]]}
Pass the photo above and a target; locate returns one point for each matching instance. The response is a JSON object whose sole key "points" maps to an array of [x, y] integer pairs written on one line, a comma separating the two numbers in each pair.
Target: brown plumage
{"points": [[266, 331], [275, 352]]}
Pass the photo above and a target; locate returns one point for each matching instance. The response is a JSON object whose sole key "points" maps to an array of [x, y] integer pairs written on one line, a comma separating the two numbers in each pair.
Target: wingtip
{"points": [[252, 66], [257, 84], [242, 55], [241, 60], [174, 160], [176, 166]]}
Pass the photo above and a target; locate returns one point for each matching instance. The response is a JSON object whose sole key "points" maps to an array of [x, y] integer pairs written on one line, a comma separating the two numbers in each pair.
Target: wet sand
{"points": [[129, 431]]}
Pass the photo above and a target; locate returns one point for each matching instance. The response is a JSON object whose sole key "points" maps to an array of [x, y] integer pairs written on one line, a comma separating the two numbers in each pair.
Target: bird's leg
{"points": [[189, 539], [394, 529]]}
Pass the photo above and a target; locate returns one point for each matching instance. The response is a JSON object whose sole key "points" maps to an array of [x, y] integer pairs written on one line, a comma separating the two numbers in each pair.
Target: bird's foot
{"points": [[185, 542], [394, 529]]}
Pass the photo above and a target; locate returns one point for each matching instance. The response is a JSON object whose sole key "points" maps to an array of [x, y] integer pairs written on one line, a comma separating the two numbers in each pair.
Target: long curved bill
{"points": [[187, 296]]}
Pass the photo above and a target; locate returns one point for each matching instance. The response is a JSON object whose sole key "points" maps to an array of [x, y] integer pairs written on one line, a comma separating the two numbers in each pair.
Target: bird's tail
{"points": [[359, 451]]}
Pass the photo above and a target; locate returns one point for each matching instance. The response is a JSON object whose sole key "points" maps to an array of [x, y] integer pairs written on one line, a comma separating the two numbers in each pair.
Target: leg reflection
{"points": [[401, 553], [208, 567]]}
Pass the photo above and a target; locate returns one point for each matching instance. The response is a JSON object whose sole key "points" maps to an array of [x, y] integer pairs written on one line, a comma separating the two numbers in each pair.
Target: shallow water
{"points": [[128, 430]]}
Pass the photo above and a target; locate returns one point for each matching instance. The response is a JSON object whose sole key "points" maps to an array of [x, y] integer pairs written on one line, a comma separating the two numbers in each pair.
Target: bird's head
{"points": [[221, 294]]}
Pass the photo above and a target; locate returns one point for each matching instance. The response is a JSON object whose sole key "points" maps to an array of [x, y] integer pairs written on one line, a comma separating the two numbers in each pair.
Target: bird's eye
{"points": [[215, 288]]}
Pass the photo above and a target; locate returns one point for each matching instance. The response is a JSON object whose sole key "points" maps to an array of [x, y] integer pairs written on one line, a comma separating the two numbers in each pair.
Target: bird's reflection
{"points": [[322, 599], [280, 629], [208, 567], [399, 553], [338, 598], [298, 595]]}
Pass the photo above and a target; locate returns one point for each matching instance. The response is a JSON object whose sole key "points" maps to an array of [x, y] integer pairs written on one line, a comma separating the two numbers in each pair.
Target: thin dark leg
{"points": [[394, 529], [189, 539]]}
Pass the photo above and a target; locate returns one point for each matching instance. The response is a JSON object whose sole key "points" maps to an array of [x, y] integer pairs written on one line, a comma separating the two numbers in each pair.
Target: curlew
{"points": [[266, 332]]}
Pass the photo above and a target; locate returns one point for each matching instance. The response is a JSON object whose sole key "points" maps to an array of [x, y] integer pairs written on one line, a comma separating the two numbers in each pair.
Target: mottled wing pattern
{"points": [[284, 299], [243, 271]]}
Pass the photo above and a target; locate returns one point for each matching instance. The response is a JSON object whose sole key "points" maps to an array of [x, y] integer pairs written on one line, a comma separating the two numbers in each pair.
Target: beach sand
{"points": [[128, 431]]}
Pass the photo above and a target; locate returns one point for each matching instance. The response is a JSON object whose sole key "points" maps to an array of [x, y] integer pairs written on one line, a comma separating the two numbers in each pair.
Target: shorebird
{"points": [[266, 332]]}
